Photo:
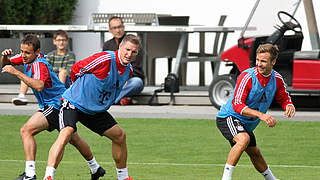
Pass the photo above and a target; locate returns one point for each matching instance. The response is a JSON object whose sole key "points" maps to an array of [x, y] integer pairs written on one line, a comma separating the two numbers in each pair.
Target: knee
{"points": [[120, 138], [140, 83], [242, 140], [25, 130]]}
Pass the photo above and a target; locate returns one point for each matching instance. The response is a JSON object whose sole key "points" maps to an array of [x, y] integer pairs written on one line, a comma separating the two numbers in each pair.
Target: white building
{"points": [[201, 12]]}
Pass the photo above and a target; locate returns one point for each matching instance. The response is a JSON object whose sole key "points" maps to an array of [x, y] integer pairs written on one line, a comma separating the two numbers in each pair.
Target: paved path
{"points": [[171, 112]]}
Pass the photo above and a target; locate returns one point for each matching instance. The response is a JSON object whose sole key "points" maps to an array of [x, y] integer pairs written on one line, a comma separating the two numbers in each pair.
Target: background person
{"points": [[135, 84], [254, 92], [62, 59], [47, 88]]}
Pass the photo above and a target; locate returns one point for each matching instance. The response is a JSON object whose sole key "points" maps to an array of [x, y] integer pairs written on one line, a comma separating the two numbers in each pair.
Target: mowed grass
{"points": [[171, 149]]}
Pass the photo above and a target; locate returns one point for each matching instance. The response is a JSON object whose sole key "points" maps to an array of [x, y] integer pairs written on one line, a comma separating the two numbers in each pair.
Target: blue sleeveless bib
{"points": [[258, 99], [48, 96], [92, 95]]}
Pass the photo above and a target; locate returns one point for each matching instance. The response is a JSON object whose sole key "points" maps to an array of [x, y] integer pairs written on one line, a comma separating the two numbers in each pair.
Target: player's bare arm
{"points": [[4, 57], [33, 83], [268, 119]]}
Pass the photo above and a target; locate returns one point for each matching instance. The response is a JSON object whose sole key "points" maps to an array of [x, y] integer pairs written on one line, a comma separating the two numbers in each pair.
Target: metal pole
{"points": [[312, 24], [249, 18], [180, 50]]}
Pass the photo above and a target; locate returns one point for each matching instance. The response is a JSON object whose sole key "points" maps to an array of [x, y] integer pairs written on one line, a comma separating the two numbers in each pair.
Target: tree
{"points": [[37, 11]]}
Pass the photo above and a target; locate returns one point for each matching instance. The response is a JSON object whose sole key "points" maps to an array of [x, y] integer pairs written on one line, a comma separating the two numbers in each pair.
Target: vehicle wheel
{"points": [[220, 90]]}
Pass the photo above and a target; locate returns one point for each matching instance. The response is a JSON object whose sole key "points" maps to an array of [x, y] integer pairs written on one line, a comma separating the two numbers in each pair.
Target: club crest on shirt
{"points": [[240, 128], [238, 125]]}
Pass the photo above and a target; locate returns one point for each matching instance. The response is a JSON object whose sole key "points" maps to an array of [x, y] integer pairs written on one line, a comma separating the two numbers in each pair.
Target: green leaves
{"points": [[37, 11]]}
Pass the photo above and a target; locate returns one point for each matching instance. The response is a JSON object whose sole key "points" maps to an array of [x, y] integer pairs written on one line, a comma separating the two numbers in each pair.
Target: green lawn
{"points": [[172, 149]]}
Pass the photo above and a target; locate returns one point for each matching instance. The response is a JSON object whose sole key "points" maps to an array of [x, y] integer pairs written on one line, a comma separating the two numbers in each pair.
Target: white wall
{"points": [[201, 12], [85, 44]]}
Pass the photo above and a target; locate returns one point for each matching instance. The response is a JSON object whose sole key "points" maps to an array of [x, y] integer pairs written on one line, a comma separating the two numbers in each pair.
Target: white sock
{"points": [[122, 173], [49, 172], [93, 165], [30, 168], [267, 174], [21, 95], [227, 172]]}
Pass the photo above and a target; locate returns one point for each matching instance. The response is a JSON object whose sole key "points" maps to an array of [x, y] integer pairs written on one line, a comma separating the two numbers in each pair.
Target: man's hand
{"points": [[290, 111], [268, 119], [9, 69], [7, 52]]}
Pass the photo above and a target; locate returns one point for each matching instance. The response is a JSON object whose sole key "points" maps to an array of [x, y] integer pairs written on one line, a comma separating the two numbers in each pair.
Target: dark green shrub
{"points": [[37, 11]]}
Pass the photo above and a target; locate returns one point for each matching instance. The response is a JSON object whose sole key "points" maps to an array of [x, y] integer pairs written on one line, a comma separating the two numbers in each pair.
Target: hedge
{"points": [[37, 11]]}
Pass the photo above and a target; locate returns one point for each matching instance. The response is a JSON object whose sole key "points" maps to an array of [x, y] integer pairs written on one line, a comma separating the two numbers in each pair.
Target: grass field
{"points": [[172, 149]]}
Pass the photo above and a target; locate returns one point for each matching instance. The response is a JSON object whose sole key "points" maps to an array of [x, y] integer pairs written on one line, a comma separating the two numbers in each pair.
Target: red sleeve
{"points": [[98, 64], [282, 96], [16, 59], [40, 72], [243, 88]]}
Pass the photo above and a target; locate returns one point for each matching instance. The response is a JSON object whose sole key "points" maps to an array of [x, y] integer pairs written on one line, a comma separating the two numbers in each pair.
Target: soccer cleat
{"points": [[129, 178], [20, 101], [48, 178], [100, 172], [24, 177]]}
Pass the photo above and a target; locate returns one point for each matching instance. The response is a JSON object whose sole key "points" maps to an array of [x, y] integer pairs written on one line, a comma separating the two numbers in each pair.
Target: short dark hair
{"points": [[133, 39], [60, 33], [115, 17], [269, 48], [31, 39]]}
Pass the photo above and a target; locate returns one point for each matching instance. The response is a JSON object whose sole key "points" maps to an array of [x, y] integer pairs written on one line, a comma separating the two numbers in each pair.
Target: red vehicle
{"points": [[300, 69]]}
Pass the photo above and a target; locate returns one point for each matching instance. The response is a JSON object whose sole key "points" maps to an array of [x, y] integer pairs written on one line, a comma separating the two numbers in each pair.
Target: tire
{"points": [[221, 89]]}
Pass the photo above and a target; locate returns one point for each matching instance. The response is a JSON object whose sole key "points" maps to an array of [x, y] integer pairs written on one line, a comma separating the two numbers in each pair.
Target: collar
{"points": [[266, 76], [120, 59]]}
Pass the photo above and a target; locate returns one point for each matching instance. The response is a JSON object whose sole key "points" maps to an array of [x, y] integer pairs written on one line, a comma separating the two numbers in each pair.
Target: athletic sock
{"points": [[30, 168], [122, 173], [21, 95], [50, 172], [267, 174], [93, 165], [227, 172]]}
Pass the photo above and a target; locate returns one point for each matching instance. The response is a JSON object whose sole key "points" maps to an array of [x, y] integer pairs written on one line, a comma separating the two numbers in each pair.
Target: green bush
{"points": [[37, 11]]}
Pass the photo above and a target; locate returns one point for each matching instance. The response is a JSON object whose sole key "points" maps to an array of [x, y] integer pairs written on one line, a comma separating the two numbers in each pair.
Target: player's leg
{"points": [[119, 150], [232, 129], [119, 146], [241, 142], [34, 125], [83, 147], [259, 162], [57, 150], [105, 125], [67, 123]]}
